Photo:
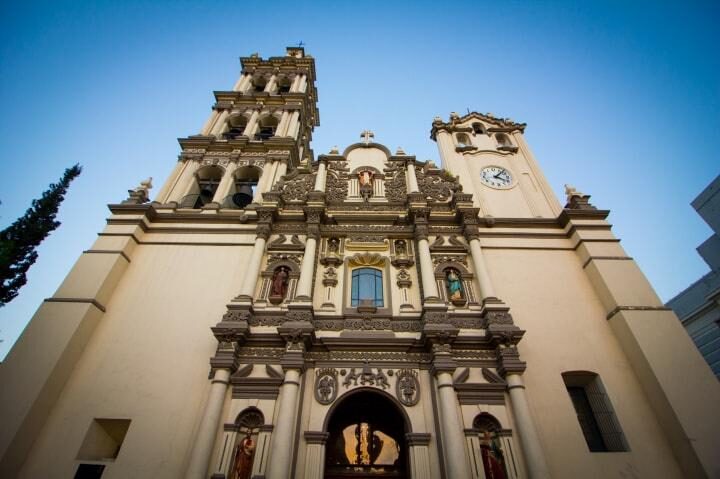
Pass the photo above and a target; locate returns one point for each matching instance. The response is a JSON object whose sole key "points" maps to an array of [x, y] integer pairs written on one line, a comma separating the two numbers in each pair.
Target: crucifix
{"points": [[301, 44], [366, 135]]}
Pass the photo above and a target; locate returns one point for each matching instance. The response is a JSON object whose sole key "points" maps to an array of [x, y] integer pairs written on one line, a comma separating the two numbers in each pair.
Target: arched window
{"points": [[203, 188], [266, 127], [236, 127], [242, 191], [258, 84], [478, 128], [283, 85], [367, 287], [503, 139], [463, 140]]}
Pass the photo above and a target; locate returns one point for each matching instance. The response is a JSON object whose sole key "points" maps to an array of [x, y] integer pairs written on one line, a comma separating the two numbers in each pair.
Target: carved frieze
{"points": [[449, 258], [395, 187], [360, 324], [326, 385], [366, 377], [437, 185], [368, 356], [336, 184], [407, 387], [275, 257], [296, 185]]}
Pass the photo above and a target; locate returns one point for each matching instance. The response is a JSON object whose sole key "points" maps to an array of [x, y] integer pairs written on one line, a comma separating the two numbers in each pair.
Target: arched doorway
{"points": [[366, 438]]}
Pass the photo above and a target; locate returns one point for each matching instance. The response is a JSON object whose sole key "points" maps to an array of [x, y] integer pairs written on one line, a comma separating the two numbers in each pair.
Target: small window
{"points": [[89, 471], [595, 413], [503, 140], [266, 128], [463, 140], [367, 287], [103, 440]]}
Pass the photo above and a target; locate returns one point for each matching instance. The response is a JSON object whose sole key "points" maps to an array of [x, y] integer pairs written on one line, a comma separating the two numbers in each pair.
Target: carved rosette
{"points": [[326, 385], [407, 387]]}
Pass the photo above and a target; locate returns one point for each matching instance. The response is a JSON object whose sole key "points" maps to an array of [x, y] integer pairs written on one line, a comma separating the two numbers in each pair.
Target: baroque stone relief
{"points": [[407, 387], [365, 377], [326, 385], [296, 186]]}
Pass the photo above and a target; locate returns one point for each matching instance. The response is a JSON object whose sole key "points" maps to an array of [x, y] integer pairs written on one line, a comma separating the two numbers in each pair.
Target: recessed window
{"points": [[595, 413], [266, 128], [103, 440], [367, 287], [463, 140], [89, 471]]}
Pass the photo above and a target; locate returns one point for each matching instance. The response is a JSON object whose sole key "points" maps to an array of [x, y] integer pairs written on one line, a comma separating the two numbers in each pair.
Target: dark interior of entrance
{"points": [[367, 439]]}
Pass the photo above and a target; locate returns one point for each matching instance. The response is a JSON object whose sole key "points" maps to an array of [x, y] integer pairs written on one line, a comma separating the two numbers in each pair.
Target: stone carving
{"points": [[449, 258], [270, 353], [274, 257], [365, 178], [498, 317], [455, 241], [330, 277], [139, 194], [395, 187], [236, 315], [407, 387], [439, 241], [266, 320], [278, 241], [368, 355], [296, 185], [366, 377], [437, 187], [360, 324], [336, 184], [403, 279], [326, 385]]}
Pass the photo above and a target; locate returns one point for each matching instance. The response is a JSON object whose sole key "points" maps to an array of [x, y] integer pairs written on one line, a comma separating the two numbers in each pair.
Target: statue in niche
{"points": [[365, 178], [280, 282], [454, 285], [333, 246], [401, 248], [244, 454]]}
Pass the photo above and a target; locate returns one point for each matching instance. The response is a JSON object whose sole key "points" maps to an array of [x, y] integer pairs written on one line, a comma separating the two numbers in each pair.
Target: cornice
{"points": [[501, 124]]}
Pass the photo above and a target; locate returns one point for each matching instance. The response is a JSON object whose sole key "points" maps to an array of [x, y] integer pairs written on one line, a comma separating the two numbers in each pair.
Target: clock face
{"points": [[496, 177]]}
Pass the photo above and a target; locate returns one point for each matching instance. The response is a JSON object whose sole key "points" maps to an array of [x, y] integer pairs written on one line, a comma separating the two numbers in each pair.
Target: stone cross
{"points": [[366, 135]]}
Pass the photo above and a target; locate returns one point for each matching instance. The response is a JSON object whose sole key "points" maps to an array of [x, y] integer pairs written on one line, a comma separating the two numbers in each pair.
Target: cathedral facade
{"points": [[274, 315]]}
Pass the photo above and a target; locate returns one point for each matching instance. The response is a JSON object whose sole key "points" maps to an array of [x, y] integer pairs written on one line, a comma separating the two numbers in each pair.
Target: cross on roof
{"points": [[366, 135], [301, 44]]}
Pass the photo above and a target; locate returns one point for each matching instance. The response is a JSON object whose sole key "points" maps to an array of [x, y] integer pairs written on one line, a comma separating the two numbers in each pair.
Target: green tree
{"points": [[19, 240]]}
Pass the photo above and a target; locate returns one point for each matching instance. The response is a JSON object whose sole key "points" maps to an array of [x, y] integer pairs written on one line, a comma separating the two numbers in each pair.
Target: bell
{"points": [[245, 190]]}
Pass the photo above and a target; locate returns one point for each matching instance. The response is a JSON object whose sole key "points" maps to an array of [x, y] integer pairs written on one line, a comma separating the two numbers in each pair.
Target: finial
{"points": [[139, 194], [577, 200], [334, 150], [400, 151]]}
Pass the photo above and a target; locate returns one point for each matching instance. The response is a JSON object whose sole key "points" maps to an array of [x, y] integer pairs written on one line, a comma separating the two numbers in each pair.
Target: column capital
{"points": [[509, 360], [316, 437]]}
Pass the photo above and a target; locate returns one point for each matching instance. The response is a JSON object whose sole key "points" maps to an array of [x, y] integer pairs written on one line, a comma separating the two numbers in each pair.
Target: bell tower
{"points": [[495, 165], [257, 132]]}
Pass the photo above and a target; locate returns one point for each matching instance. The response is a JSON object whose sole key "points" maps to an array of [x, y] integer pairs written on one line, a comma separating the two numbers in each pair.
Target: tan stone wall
{"points": [[147, 361]]}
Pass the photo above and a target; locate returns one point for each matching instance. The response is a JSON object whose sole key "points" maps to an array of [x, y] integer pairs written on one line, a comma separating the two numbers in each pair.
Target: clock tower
{"points": [[495, 165]]}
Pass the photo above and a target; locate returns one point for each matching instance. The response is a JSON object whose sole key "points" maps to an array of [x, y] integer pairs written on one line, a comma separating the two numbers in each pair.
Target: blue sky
{"points": [[622, 100]]}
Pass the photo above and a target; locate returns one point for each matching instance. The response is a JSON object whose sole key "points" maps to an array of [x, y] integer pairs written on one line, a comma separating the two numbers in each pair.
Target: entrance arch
{"points": [[366, 437]]}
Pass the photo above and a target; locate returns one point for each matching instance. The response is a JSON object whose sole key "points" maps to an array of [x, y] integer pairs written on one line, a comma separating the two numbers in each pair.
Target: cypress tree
{"points": [[19, 240]]}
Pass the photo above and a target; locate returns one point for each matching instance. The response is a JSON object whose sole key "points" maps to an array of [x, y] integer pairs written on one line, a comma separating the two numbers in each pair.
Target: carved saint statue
{"points": [[333, 245], [365, 178], [280, 282], [400, 248], [244, 454], [454, 285]]}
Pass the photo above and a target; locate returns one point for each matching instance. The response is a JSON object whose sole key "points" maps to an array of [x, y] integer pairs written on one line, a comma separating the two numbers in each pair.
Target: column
{"points": [[271, 83], [412, 178], [293, 125], [295, 82], [304, 287], [280, 170], [427, 273], [282, 125], [419, 455], [251, 124], [486, 287], [315, 455], [226, 183], [185, 182], [247, 290], [321, 175], [456, 460], [220, 123], [209, 123], [534, 458], [302, 84], [205, 437], [241, 84], [281, 444]]}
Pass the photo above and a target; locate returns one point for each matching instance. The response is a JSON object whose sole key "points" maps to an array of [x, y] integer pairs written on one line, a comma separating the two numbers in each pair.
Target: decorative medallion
{"points": [[407, 387], [326, 385]]}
